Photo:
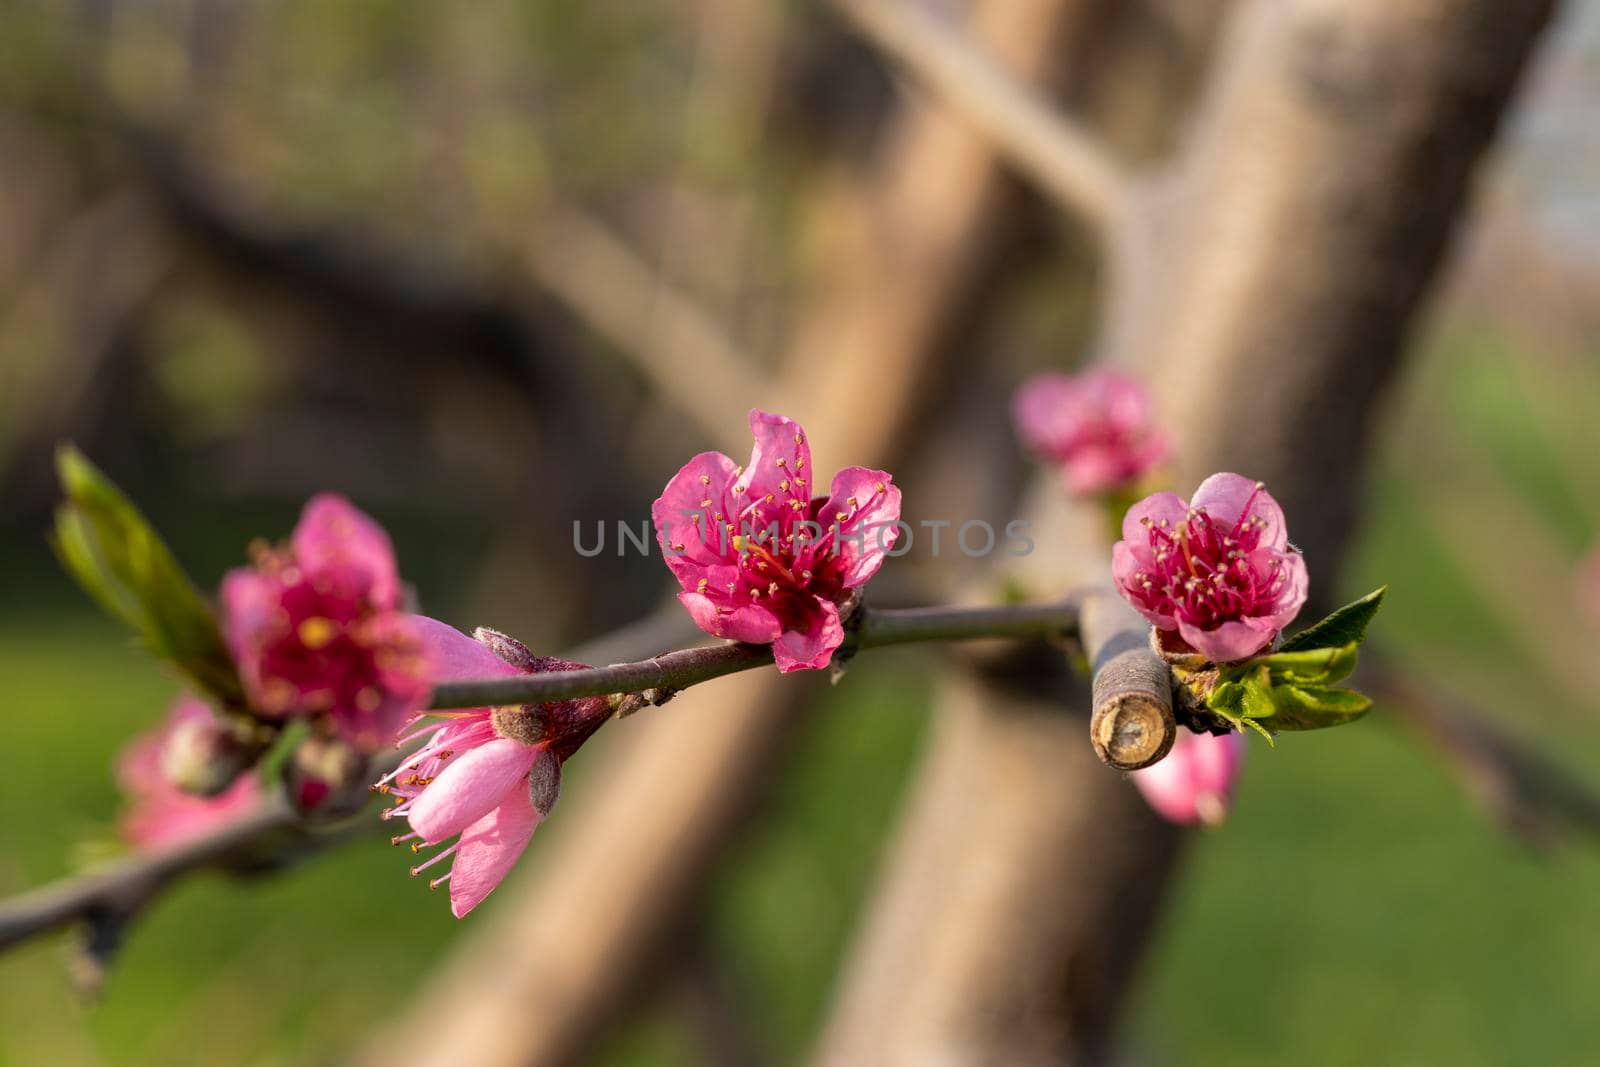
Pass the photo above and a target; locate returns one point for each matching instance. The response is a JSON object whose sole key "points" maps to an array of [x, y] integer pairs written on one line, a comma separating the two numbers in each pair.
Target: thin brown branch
{"points": [[673, 671], [662, 333], [1519, 787], [1065, 160], [111, 896]]}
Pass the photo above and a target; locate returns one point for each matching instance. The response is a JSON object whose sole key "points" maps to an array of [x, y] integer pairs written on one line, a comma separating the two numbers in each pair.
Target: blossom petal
{"points": [[469, 787], [685, 514], [1229, 641], [456, 657], [1122, 397], [335, 535], [1157, 507], [780, 454], [1225, 496], [252, 617], [489, 848], [1195, 782], [1096, 469], [1126, 562], [870, 502], [747, 622], [810, 647], [1045, 410]]}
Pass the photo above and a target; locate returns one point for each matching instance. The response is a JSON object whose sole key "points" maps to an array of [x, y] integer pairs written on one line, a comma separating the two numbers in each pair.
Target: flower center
{"points": [[1205, 576]]}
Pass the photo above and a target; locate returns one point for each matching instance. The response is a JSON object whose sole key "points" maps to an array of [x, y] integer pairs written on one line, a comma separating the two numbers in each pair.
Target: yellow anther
{"points": [[700, 586], [317, 632], [782, 462], [705, 479], [881, 487]]}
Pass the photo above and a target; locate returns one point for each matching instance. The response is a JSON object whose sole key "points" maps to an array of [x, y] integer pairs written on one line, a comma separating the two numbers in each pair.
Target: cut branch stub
{"points": [[1133, 725]]}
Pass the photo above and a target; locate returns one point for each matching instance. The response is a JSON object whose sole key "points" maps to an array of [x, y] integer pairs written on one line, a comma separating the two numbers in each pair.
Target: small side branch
{"points": [[1526, 792], [108, 899], [1067, 162], [673, 671], [660, 331]]}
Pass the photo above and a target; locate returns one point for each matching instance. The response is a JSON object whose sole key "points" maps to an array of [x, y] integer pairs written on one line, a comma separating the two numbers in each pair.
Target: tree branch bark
{"points": [[1066, 161]]}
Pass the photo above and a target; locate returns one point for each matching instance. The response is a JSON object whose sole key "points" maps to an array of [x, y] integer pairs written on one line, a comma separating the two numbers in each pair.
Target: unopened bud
{"points": [[327, 777], [203, 755]]}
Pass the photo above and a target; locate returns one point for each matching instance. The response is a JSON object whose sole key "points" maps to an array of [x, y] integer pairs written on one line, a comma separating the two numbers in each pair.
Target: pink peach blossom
{"points": [[762, 560], [1097, 426], [159, 814], [316, 627], [1219, 570], [486, 777], [1194, 783]]}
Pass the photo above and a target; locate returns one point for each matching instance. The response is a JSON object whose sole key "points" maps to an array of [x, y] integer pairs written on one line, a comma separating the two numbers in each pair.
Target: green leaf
{"points": [[1240, 702], [1227, 700], [1258, 697], [112, 551], [1345, 626], [1316, 707], [1317, 666]]}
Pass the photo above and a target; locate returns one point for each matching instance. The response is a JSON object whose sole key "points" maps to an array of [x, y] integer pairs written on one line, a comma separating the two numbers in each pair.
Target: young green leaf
{"points": [[1345, 626], [1317, 666], [112, 551], [1316, 707]]}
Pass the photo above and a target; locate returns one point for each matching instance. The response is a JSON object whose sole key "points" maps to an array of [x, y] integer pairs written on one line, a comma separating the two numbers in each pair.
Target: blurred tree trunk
{"points": [[1268, 287], [542, 976]]}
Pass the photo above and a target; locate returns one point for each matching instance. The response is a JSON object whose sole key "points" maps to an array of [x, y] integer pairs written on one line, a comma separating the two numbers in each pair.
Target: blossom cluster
{"points": [[319, 630]]}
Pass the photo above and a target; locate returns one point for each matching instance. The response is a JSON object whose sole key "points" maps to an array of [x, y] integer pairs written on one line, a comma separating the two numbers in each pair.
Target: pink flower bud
{"points": [[1194, 783], [316, 628], [486, 777], [1218, 570], [159, 814], [327, 777], [1096, 426], [759, 557], [202, 755]]}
